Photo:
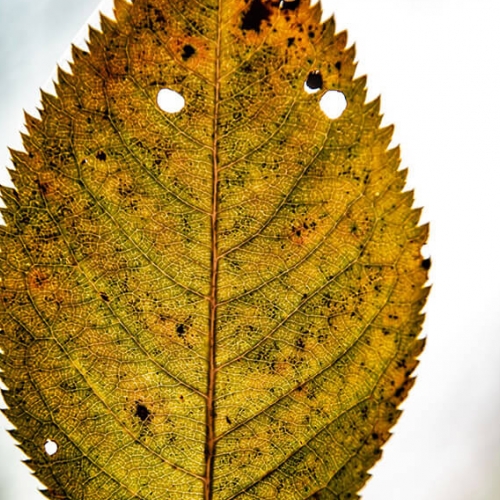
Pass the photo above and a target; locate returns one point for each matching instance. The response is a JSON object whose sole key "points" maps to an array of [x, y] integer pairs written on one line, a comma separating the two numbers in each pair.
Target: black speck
{"points": [[142, 412], [300, 343], [314, 80], [254, 16], [187, 52], [338, 65], [104, 296], [426, 264], [290, 41], [181, 330], [101, 156], [247, 68], [228, 420]]}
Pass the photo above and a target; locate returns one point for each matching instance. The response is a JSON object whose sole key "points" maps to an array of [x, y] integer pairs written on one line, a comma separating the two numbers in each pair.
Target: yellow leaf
{"points": [[211, 280]]}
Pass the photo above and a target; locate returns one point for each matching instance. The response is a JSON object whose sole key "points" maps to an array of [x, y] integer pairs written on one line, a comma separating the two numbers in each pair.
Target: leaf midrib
{"points": [[210, 441]]}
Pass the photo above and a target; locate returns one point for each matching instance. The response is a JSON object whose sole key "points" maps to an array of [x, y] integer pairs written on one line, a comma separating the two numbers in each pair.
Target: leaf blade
{"points": [[229, 294]]}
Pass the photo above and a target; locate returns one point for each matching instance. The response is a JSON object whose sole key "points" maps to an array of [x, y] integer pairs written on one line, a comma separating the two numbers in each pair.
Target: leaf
{"points": [[220, 300]]}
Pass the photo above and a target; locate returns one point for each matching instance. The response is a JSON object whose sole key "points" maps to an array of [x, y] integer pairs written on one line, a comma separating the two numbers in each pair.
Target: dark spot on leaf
{"points": [[43, 186], [187, 52], [290, 41], [338, 65], [289, 4], [314, 80], [254, 16], [142, 412], [104, 296], [101, 156], [181, 330], [300, 344], [247, 68], [228, 420], [426, 264]]}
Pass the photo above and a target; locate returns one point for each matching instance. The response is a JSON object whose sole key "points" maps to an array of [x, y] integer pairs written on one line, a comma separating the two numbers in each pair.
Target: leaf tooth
{"points": [[63, 76], [419, 233], [328, 30], [424, 294], [77, 53], [385, 135], [359, 87], [121, 9], [16, 435], [4, 392], [20, 159], [48, 101], [414, 217], [9, 197], [315, 11], [95, 37], [424, 228], [32, 123], [374, 105], [341, 41], [108, 25]]}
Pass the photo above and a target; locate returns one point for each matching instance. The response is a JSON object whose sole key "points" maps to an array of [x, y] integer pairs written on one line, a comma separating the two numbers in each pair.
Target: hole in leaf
{"points": [[289, 4], [425, 252], [314, 82], [333, 104], [51, 447], [170, 101]]}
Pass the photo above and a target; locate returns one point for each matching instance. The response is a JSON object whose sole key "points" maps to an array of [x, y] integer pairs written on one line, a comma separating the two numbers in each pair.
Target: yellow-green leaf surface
{"points": [[221, 302]]}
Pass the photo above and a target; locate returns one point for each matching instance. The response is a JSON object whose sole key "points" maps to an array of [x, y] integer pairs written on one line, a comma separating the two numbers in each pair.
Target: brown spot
{"points": [[101, 156], [187, 52], [302, 231], [43, 186], [254, 16], [37, 278], [142, 412], [314, 80], [181, 330]]}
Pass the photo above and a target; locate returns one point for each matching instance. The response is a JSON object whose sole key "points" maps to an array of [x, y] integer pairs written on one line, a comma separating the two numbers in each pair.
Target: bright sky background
{"points": [[436, 64]]}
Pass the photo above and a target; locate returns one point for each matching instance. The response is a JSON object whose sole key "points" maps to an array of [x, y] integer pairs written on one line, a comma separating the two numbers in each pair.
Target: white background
{"points": [[437, 65]]}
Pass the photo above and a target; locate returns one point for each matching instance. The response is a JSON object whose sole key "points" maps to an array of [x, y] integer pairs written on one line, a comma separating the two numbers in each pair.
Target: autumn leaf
{"points": [[210, 285]]}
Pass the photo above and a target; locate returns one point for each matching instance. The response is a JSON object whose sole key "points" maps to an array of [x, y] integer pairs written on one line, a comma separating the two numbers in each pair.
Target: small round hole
{"points": [[170, 101], [51, 447], [426, 254], [333, 104]]}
